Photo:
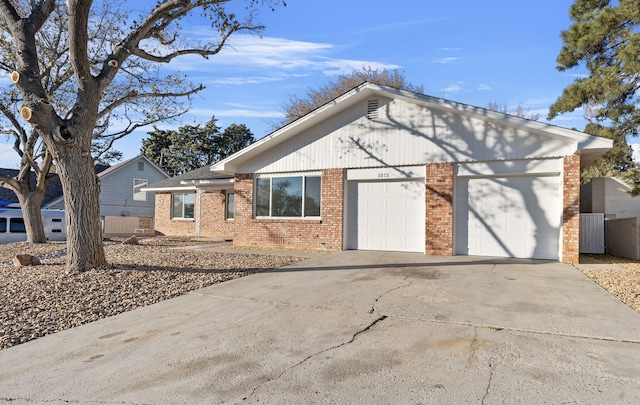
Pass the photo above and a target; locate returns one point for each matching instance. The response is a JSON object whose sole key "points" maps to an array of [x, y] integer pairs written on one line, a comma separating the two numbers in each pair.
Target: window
{"points": [[183, 204], [3, 224], [141, 166], [230, 206], [137, 185], [16, 225], [292, 196]]}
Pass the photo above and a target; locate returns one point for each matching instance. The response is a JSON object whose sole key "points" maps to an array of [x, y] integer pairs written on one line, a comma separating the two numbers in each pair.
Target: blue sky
{"points": [[473, 52]]}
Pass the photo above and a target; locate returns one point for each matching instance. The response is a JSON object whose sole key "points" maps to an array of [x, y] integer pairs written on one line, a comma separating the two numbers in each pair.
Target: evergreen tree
{"points": [[193, 146], [604, 38]]}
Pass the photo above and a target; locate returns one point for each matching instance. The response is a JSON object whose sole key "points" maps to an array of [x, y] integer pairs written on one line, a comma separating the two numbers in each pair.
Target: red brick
{"points": [[571, 210], [439, 209], [313, 234]]}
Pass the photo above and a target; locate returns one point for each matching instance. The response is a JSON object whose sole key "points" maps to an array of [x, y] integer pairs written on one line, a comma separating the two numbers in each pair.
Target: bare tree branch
{"points": [[19, 132], [79, 40], [133, 95], [10, 183]]}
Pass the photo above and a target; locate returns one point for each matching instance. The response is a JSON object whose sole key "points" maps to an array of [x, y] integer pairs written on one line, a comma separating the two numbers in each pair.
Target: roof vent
{"points": [[372, 109]]}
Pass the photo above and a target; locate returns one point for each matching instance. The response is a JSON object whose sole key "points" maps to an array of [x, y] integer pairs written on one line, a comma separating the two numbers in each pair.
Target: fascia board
{"points": [[167, 189]]}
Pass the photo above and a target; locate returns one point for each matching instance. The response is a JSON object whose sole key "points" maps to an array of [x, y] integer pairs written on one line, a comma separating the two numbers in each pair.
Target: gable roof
{"points": [[128, 162], [52, 192], [188, 181], [588, 146]]}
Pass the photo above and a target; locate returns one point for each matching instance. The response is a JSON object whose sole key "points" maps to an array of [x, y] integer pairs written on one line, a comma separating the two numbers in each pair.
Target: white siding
{"points": [[404, 134], [116, 191]]}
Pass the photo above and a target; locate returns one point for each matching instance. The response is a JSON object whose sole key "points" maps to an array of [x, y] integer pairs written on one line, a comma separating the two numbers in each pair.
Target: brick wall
{"points": [[439, 207], [167, 226], [213, 222], [323, 234], [571, 210], [212, 211]]}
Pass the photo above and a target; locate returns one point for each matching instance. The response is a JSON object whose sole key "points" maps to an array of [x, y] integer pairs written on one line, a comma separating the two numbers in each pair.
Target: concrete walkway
{"points": [[352, 327]]}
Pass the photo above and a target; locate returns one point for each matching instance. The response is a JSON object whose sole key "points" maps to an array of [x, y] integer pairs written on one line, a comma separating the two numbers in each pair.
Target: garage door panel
{"points": [[510, 216], [386, 215]]}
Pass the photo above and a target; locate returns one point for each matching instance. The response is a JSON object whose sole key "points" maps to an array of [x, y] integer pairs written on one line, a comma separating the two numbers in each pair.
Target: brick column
{"points": [[332, 205], [571, 210], [439, 207], [243, 205]]}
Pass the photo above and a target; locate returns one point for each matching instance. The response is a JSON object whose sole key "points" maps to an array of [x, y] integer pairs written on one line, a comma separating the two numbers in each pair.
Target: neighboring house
{"points": [[609, 196], [610, 218], [10, 199], [121, 189], [198, 203], [385, 169]]}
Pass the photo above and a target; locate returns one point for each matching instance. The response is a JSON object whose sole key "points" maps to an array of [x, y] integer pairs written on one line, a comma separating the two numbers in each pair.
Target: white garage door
{"points": [[509, 217], [387, 215]]}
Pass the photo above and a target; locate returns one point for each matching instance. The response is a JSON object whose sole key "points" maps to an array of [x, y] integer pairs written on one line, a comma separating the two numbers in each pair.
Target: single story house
{"points": [[195, 204], [385, 169], [610, 218]]}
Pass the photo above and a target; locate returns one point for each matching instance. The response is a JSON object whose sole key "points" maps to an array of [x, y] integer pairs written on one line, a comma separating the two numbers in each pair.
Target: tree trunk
{"points": [[80, 184], [31, 203]]}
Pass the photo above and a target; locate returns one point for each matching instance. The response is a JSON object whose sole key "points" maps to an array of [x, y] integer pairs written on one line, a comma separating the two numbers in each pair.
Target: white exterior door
{"points": [[386, 215], [509, 216]]}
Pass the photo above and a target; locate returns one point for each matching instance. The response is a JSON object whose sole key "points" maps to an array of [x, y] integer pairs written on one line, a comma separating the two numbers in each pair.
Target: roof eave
{"points": [[168, 188]]}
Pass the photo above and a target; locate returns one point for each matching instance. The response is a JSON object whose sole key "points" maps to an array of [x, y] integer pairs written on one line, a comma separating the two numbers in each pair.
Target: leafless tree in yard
{"points": [[77, 66]]}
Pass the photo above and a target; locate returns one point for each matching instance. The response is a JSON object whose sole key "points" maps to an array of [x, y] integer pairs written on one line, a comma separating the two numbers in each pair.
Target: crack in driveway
{"points": [[373, 307], [353, 338], [486, 392]]}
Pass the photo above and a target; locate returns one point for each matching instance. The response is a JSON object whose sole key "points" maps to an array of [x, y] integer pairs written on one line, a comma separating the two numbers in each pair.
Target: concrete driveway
{"points": [[351, 327]]}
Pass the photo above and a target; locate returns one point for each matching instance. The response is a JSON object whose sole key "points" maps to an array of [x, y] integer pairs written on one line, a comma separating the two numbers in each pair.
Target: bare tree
{"points": [[297, 106], [520, 111], [35, 158], [112, 75]]}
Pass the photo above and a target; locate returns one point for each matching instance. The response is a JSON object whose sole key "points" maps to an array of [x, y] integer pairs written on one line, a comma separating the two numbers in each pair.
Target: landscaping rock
{"points": [[37, 301], [26, 260], [132, 240]]}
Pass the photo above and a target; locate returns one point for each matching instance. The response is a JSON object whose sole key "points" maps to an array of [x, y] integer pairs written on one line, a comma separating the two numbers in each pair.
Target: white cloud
{"points": [[5, 79], [484, 87], [445, 60], [246, 112], [8, 157], [346, 66], [453, 88], [276, 58], [578, 75]]}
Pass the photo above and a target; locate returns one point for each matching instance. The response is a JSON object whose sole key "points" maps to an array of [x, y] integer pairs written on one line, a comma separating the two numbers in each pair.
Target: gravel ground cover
{"points": [[39, 300], [36, 301], [623, 284]]}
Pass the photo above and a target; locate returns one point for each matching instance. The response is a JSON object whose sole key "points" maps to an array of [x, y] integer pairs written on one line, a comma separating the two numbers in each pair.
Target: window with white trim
{"points": [[230, 209], [137, 185], [183, 205], [288, 196]]}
